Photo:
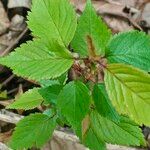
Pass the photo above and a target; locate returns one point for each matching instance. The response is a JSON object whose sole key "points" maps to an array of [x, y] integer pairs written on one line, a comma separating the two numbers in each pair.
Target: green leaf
{"points": [[47, 83], [103, 104], [50, 112], [3, 95], [29, 100], [130, 48], [90, 25], [124, 132], [61, 120], [129, 90], [50, 94], [34, 130], [73, 102], [90, 139], [57, 81], [93, 142], [57, 49], [35, 61], [63, 78], [53, 19]]}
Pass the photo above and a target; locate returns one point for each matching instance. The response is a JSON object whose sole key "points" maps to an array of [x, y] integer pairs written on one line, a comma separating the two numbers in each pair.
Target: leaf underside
{"points": [[29, 100], [129, 90]]}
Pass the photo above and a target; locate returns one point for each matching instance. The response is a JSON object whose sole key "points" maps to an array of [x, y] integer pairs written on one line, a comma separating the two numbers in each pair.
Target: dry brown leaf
{"points": [[146, 14], [117, 25], [17, 23], [85, 125], [125, 2], [4, 21], [19, 3], [4, 137], [112, 13], [5, 102]]}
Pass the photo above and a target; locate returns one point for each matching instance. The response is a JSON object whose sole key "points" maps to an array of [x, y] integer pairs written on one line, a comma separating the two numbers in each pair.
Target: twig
{"points": [[4, 147], [9, 48], [13, 90], [5, 102], [16, 89], [9, 117], [8, 80]]}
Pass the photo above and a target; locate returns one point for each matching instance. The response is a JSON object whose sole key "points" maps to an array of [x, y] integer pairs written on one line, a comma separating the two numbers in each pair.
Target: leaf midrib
{"points": [[127, 86], [55, 24], [56, 58], [29, 102]]}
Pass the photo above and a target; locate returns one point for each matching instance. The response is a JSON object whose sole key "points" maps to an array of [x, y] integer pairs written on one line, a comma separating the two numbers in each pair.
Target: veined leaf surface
{"points": [[73, 102], [129, 90], [27, 100], [124, 132], [103, 104], [36, 61], [50, 93], [53, 19], [93, 142], [34, 130], [130, 48], [90, 25]]}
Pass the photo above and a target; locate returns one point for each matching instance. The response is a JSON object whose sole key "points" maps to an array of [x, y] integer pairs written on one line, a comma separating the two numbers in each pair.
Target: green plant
{"points": [[104, 100]]}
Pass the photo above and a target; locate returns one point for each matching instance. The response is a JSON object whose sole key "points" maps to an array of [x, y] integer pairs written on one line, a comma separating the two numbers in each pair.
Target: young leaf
{"points": [[29, 100], [73, 102], [130, 48], [53, 19], [35, 61], [34, 130], [124, 132], [50, 94], [103, 104], [129, 90], [90, 25]]}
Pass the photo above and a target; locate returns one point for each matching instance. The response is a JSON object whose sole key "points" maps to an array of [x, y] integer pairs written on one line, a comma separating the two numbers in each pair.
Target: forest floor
{"points": [[120, 15]]}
